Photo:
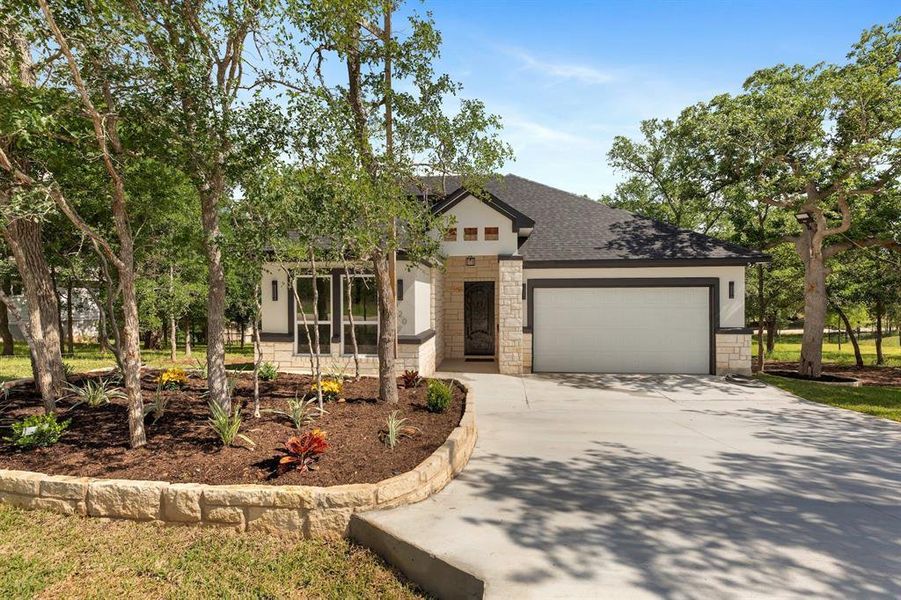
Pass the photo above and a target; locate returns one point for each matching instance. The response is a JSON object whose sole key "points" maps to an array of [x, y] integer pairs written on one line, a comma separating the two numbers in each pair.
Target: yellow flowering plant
{"points": [[331, 389], [172, 379]]}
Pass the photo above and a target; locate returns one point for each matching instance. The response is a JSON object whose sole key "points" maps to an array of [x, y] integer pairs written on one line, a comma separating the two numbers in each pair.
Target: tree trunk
{"points": [[317, 371], [880, 309], [217, 380], [858, 358], [9, 343], [70, 329], [173, 328], [130, 351], [761, 300], [350, 317], [771, 333], [811, 252], [387, 320], [188, 332], [24, 239], [257, 349]]}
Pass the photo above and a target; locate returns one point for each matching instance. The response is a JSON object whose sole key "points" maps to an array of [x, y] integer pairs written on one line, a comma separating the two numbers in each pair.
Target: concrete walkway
{"points": [[658, 486]]}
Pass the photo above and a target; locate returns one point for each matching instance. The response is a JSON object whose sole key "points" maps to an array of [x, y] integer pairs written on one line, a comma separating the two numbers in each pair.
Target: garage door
{"points": [[621, 330]]}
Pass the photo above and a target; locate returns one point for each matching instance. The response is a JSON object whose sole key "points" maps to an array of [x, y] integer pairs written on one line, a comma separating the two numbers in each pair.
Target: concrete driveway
{"points": [[660, 486]]}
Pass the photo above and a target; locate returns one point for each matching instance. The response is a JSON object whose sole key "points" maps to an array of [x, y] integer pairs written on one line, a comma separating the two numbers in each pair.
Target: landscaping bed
{"points": [[181, 446], [868, 375]]}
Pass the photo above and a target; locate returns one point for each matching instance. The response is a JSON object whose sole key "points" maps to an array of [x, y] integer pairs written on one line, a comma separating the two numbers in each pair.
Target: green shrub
{"points": [[37, 431], [439, 396], [268, 372]]}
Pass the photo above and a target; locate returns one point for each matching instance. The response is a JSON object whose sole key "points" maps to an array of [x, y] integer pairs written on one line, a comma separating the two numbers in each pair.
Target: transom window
{"points": [[365, 309], [322, 320], [491, 233], [470, 234]]}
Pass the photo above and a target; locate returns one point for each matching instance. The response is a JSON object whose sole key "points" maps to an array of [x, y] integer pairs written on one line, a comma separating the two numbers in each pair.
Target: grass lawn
{"points": [[46, 555], [878, 401], [788, 348], [88, 356]]}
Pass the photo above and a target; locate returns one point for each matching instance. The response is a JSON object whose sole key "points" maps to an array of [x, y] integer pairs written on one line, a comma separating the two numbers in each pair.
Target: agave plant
{"points": [[95, 393], [302, 452], [227, 426], [300, 412]]}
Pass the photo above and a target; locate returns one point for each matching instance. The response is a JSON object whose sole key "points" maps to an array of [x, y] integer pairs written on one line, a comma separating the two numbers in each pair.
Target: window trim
{"points": [[493, 231], [298, 320], [473, 231], [345, 321]]}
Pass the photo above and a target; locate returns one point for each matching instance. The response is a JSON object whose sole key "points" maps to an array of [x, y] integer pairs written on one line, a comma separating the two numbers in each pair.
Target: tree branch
{"points": [[834, 249]]}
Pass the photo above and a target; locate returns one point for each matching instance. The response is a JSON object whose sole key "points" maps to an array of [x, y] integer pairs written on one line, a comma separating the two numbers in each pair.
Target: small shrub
{"points": [[302, 452], [300, 412], [439, 396], [172, 379], [411, 379], [37, 431], [331, 389], [396, 430], [157, 405], [68, 370], [95, 393], [268, 372], [227, 426]]}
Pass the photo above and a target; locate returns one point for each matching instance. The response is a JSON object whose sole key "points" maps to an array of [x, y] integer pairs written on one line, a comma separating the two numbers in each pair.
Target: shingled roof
{"points": [[570, 228]]}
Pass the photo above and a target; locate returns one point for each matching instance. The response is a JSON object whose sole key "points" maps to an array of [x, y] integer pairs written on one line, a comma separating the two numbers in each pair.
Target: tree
{"points": [[386, 139], [23, 215], [198, 67], [672, 178]]}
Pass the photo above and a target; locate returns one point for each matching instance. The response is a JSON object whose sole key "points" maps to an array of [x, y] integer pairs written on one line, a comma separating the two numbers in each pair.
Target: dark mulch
{"points": [[868, 375], [823, 378], [181, 447]]}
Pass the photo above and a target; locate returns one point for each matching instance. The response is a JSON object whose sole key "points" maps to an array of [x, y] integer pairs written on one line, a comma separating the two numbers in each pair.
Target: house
{"points": [[536, 279]]}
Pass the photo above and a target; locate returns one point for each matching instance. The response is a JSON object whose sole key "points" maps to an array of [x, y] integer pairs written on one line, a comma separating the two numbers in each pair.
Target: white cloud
{"points": [[562, 70]]}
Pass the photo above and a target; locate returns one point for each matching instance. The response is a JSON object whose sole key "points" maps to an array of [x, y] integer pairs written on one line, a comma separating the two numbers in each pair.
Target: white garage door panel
{"points": [[621, 330]]}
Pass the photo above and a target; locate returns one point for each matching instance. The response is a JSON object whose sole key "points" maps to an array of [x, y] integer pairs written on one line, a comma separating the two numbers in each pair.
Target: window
{"points": [[365, 309], [450, 235], [470, 234], [400, 290], [732, 289], [491, 234], [322, 321], [275, 290]]}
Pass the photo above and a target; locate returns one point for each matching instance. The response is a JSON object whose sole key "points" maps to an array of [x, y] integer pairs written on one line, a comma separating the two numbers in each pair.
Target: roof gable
{"points": [[518, 219]]}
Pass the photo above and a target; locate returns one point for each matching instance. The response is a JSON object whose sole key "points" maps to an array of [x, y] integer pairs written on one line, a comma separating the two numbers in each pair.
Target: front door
{"points": [[478, 318]]}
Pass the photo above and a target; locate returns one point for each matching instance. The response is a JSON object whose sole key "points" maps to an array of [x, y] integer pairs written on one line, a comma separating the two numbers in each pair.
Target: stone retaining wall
{"points": [[312, 511]]}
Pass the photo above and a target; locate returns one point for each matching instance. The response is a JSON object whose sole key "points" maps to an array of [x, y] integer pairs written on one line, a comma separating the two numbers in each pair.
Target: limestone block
{"points": [[65, 487], [181, 502], [119, 498], [20, 482]]}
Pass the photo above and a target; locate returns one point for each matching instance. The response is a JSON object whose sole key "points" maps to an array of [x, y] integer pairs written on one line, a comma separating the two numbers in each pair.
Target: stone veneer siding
{"points": [[419, 357], [526, 352], [310, 511], [455, 275], [509, 337], [733, 353]]}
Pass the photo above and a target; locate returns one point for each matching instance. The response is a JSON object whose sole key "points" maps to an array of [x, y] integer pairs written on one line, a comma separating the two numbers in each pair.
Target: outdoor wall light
{"points": [[470, 261]]}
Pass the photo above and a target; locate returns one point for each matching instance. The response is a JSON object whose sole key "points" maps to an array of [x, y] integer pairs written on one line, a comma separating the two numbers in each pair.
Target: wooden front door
{"points": [[478, 318]]}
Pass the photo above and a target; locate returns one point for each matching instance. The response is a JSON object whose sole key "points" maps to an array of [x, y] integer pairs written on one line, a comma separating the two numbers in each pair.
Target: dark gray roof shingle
{"points": [[569, 227]]}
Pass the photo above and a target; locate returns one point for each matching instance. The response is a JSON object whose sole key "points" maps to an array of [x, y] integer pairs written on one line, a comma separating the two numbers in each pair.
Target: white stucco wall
{"points": [[472, 212], [732, 310], [414, 311], [274, 316]]}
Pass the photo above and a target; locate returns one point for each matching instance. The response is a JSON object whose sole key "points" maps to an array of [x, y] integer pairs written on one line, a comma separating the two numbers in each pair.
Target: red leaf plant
{"points": [[301, 452]]}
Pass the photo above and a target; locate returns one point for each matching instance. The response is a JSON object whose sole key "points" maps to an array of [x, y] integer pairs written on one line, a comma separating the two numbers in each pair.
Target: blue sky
{"points": [[568, 76]]}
